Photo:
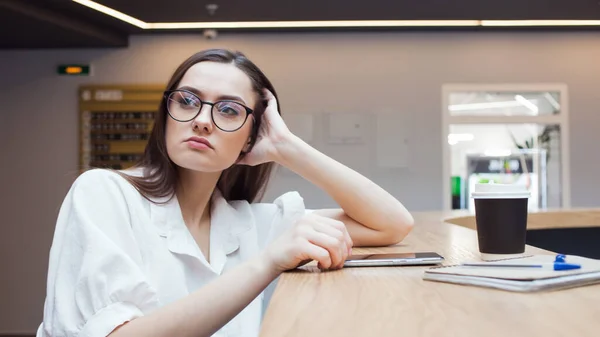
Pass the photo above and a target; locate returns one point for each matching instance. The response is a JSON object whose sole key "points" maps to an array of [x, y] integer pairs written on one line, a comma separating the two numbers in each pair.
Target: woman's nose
{"points": [[204, 119]]}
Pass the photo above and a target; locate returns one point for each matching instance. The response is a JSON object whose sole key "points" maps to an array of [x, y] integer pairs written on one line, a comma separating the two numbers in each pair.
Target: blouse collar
{"points": [[227, 224]]}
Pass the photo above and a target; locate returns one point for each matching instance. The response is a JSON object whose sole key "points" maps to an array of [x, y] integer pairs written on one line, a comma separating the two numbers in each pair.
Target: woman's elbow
{"points": [[401, 229]]}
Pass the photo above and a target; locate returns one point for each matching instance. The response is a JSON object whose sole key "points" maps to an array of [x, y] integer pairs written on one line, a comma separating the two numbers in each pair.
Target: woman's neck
{"points": [[194, 191]]}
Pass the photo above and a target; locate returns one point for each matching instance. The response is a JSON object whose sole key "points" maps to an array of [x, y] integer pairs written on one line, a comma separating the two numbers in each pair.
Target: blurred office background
{"points": [[405, 106]]}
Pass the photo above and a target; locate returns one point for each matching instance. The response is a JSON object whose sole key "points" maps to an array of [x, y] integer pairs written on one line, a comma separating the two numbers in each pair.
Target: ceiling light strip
{"points": [[331, 24], [114, 13], [538, 23], [311, 24]]}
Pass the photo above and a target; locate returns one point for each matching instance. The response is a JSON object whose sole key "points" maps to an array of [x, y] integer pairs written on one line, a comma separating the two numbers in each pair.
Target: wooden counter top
{"points": [[395, 301], [542, 219]]}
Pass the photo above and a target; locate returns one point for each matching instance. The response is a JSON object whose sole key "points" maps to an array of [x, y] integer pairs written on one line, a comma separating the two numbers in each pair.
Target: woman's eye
{"points": [[189, 101], [230, 109]]}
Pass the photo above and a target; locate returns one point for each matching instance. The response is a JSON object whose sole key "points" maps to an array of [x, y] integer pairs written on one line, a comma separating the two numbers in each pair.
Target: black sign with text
{"points": [[509, 164]]}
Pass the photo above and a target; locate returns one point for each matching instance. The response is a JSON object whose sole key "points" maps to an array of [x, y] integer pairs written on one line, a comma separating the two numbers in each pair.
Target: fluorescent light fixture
{"points": [[454, 138], [497, 153], [486, 105], [526, 103], [328, 24], [552, 101]]}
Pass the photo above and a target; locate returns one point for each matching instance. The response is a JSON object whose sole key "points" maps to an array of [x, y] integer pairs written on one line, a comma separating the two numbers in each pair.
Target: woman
{"points": [[177, 246]]}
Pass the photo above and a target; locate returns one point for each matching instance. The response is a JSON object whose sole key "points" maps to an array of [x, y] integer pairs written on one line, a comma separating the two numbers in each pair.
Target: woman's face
{"points": [[211, 82]]}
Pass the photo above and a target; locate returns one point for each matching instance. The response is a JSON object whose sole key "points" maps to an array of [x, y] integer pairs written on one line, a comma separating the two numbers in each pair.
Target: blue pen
{"points": [[553, 266]]}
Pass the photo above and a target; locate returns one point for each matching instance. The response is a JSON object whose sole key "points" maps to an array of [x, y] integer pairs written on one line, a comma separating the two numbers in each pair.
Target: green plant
{"points": [[543, 139]]}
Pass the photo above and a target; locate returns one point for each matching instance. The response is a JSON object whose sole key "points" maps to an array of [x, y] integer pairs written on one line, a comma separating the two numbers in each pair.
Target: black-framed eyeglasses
{"points": [[227, 115]]}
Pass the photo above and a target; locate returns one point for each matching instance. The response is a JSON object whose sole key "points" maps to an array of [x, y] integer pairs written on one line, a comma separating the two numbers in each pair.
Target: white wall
{"points": [[313, 73]]}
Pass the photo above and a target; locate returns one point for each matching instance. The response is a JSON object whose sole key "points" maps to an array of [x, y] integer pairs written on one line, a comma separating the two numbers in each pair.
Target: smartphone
{"points": [[395, 259]]}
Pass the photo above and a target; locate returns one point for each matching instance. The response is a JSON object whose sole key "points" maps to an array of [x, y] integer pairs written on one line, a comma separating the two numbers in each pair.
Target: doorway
{"points": [[506, 133]]}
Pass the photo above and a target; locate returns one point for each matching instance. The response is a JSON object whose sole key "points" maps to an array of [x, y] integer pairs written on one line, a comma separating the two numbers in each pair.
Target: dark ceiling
{"points": [[64, 23], [282, 10]]}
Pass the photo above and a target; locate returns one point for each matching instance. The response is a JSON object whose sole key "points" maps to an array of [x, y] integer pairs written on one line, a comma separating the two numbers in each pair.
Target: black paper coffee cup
{"points": [[501, 218]]}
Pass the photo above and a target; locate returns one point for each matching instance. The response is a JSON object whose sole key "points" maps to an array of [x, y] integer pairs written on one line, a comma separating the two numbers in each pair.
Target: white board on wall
{"points": [[347, 128], [392, 141]]}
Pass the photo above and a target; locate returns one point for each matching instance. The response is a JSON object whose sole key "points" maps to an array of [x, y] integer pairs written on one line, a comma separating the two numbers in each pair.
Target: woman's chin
{"points": [[206, 166]]}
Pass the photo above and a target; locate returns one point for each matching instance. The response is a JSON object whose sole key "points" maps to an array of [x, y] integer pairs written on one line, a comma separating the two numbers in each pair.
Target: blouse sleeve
{"points": [[95, 280], [274, 219]]}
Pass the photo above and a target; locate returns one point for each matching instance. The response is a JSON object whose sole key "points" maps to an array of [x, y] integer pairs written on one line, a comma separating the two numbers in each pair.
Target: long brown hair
{"points": [[238, 182]]}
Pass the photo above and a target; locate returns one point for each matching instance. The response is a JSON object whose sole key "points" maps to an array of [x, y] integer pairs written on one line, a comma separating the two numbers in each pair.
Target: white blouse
{"points": [[117, 256]]}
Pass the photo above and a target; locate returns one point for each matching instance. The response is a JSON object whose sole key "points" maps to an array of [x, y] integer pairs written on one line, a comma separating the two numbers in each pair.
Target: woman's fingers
{"points": [[329, 235], [336, 246], [271, 109], [340, 236], [318, 253], [342, 227]]}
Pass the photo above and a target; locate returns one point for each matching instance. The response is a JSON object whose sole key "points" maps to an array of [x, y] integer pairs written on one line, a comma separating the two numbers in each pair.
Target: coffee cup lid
{"points": [[500, 191]]}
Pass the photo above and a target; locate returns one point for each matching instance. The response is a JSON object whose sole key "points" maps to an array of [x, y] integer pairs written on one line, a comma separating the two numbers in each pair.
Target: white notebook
{"points": [[520, 279]]}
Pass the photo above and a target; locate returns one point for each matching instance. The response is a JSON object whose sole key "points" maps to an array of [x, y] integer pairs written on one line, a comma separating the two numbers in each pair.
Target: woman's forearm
{"points": [[205, 311], [360, 198]]}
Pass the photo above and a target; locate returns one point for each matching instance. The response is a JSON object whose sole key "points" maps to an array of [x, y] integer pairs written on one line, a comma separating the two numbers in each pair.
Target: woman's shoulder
{"points": [[261, 211], [288, 199], [104, 182], [291, 198], [285, 204], [99, 176]]}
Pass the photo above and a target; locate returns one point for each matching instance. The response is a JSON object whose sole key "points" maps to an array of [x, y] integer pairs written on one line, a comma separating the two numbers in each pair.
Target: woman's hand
{"points": [[313, 237], [273, 133]]}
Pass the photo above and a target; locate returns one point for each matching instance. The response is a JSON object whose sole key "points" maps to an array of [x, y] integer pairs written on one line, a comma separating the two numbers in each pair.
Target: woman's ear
{"points": [[247, 146], [245, 150]]}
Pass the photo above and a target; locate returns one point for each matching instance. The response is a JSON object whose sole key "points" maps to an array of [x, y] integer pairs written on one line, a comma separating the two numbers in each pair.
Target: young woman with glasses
{"points": [[179, 245]]}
